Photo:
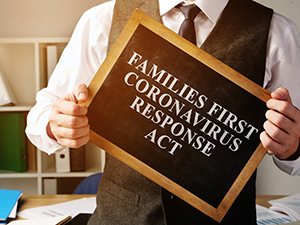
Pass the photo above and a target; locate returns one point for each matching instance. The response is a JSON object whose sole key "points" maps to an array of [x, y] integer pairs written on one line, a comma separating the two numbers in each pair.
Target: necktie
{"points": [[187, 28]]}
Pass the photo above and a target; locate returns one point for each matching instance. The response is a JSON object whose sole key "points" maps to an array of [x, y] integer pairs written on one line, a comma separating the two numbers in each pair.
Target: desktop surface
{"points": [[31, 201]]}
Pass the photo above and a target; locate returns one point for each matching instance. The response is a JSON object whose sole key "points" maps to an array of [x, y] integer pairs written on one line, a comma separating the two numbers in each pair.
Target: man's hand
{"points": [[68, 123], [282, 128]]}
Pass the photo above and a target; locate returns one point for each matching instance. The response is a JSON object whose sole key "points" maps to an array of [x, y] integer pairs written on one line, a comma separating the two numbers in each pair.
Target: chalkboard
{"points": [[177, 115]]}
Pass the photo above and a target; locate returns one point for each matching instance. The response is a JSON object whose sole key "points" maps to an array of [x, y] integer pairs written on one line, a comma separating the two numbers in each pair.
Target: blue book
{"points": [[8, 199], [5, 222]]}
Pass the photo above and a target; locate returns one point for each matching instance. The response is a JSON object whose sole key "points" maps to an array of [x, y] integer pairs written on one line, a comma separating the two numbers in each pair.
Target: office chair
{"points": [[89, 185]]}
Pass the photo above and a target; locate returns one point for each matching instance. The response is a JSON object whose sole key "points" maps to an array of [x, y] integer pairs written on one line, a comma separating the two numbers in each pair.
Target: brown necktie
{"points": [[187, 28]]}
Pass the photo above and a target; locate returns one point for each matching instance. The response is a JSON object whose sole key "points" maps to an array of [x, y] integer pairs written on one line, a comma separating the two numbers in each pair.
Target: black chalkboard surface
{"points": [[177, 115]]}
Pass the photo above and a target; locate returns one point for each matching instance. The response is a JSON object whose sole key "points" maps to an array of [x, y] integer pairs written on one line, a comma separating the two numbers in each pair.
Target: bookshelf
{"points": [[24, 61]]}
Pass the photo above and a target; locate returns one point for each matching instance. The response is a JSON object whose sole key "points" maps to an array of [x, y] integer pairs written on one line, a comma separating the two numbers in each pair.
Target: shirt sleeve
{"points": [[289, 167], [282, 70], [79, 63]]}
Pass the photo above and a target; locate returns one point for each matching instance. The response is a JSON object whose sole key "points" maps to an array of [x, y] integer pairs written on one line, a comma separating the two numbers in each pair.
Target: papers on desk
{"points": [[8, 204], [289, 205], [266, 216], [49, 221], [72, 208]]}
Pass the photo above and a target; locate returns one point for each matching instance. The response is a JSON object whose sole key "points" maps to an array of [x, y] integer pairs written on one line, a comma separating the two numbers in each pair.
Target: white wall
{"points": [[41, 18], [57, 18], [288, 8], [47, 18]]}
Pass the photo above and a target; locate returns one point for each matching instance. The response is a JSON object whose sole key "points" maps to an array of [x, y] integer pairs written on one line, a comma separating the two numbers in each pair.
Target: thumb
{"points": [[281, 94], [81, 92]]}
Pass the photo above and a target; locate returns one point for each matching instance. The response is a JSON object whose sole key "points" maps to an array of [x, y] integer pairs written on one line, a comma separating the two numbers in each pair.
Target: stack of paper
{"points": [[289, 205], [72, 208], [266, 216], [8, 204]]}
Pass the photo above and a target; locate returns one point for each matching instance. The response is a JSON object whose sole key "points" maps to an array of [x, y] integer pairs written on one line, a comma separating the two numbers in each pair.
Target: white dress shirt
{"points": [[87, 50]]}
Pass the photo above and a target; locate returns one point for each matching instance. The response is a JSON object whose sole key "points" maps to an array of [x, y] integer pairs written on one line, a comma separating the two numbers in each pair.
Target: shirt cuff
{"points": [[40, 138], [290, 167]]}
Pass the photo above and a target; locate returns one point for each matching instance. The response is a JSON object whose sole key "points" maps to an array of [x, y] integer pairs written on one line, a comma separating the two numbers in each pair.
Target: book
{"points": [[62, 160], [8, 199], [13, 142], [50, 186], [31, 155], [7, 97], [51, 59], [77, 159], [289, 205]]}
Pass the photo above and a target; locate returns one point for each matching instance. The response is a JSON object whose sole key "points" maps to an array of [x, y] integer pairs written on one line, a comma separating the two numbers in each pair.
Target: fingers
{"points": [[68, 123], [62, 106], [75, 143], [281, 93], [282, 128], [282, 103], [278, 123], [72, 137], [282, 112], [69, 120], [269, 143], [278, 142], [71, 130]]}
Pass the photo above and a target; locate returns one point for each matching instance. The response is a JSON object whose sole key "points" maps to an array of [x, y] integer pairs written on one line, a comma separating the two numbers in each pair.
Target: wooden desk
{"points": [[263, 199], [31, 201]]}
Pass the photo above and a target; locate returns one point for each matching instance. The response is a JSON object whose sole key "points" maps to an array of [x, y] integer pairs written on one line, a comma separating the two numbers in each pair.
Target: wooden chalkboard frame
{"points": [[139, 18]]}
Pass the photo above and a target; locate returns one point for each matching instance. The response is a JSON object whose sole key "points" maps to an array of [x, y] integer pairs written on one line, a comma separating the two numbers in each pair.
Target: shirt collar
{"points": [[211, 8]]}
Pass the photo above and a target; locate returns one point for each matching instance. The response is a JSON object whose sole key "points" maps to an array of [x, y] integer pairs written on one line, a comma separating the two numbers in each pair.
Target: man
{"points": [[125, 196]]}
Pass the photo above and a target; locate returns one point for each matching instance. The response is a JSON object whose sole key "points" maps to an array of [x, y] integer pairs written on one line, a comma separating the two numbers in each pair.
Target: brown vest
{"points": [[126, 197]]}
